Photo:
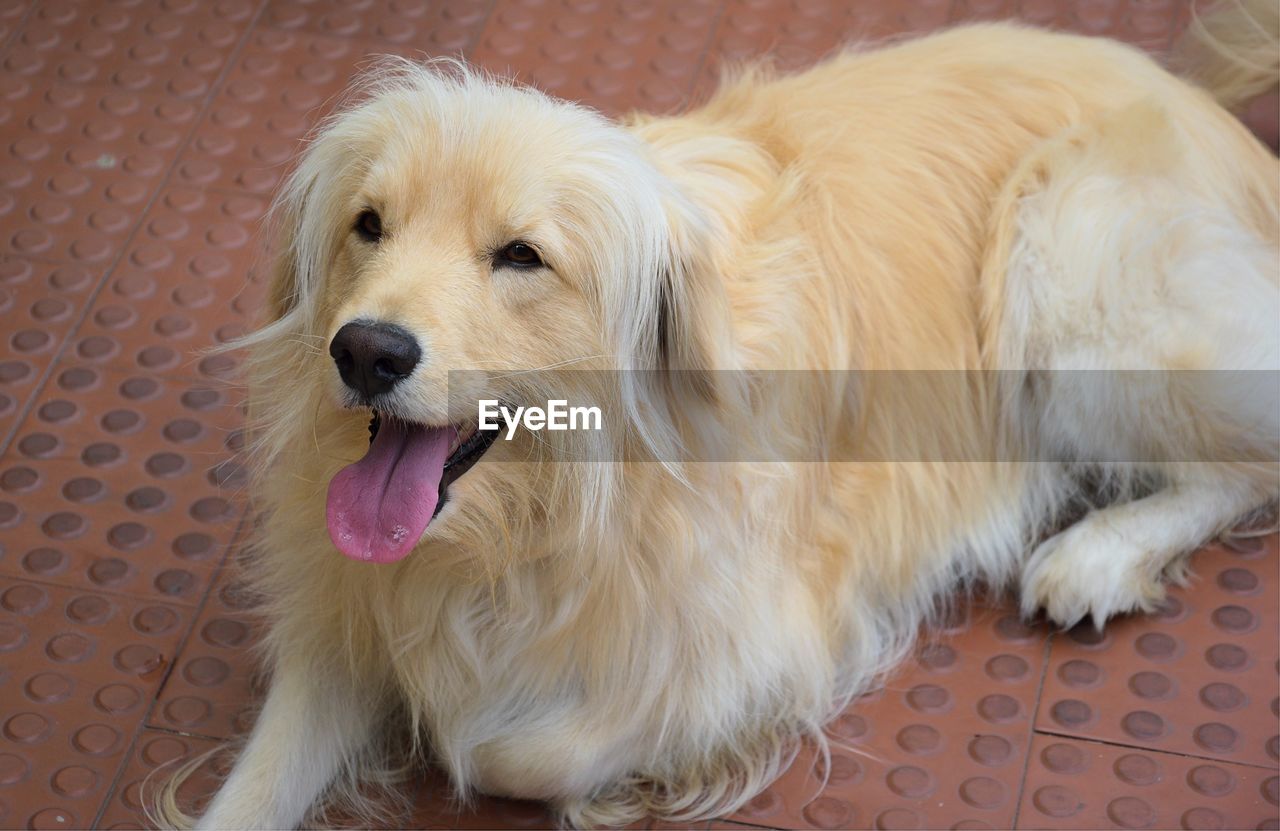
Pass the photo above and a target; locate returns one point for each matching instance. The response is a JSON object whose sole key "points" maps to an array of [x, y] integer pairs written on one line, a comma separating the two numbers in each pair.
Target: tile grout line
{"points": [[173, 665], [1031, 734], [1144, 749]]}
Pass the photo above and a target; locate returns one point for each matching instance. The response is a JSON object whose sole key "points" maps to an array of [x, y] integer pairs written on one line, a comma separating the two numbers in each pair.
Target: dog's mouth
{"points": [[379, 507]]}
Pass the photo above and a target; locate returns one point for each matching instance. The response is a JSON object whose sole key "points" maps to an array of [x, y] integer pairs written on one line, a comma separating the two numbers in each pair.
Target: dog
{"points": [[950, 239]]}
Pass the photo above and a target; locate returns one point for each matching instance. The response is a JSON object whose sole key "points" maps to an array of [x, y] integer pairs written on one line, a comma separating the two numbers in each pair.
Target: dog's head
{"points": [[453, 223]]}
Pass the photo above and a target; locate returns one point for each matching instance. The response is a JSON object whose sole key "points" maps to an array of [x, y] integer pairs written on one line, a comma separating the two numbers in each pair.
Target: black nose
{"points": [[373, 357]]}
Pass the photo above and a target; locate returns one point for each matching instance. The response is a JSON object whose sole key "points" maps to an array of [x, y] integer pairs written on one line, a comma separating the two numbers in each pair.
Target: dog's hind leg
{"points": [[1144, 296], [313, 723]]}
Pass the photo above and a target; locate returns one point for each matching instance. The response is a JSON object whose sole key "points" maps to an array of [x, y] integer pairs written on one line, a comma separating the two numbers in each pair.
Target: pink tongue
{"points": [[379, 506]]}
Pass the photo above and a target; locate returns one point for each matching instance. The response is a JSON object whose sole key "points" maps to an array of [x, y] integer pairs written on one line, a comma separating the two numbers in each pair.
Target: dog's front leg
{"points": [[312, 722]]}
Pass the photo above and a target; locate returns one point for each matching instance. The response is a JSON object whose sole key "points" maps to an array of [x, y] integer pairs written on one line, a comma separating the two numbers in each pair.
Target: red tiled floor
{"points": [[141, 142]]}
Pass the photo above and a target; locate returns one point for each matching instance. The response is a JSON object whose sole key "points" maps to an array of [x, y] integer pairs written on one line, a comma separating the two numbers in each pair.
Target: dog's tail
{"points": [[1232, 50]]}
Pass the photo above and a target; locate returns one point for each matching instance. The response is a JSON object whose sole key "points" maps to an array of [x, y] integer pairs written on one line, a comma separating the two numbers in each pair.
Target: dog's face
{"points": [[450, 223]]}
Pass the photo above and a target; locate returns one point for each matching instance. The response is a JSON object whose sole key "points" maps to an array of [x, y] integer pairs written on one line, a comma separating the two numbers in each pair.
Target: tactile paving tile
{"points": [[1080, 784], [80, 163], [437, 808], [172, 46], [795, 33], [39, 303], [155, 754], [12, 13], [123, 481], [438, 26], [1150, 24], [279, 87], [187, 282], [215, 688], [614, 56], [78, 673], [1198, 679], [944, 742]]}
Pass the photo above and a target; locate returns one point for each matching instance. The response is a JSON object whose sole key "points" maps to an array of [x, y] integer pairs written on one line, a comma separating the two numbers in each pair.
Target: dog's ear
{"points": [[282, 281], [679, 336], [307, 221]]}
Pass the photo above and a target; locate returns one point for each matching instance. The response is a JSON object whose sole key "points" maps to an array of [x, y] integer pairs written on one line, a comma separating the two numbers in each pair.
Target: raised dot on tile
{"points": [[19, 479], [101, 454], [990, 750], [1156, 646], [1064, 758], [1203, 819], [24, 599], [929, 698], [28, 728], [1130, 812], [919, 739], [1071, 713], [1211, 780], [1216, 737], [910, 781], [1143, 725], [78, 378], [1137, 769], [1056, 801], [128, 536], [1079, 673], [96, 739], [175, 582], [166, 465], [193, 546], [89, 609], [13, 769], [1238, 581], [49, 687], [38, 445], [1227, 657], [108, 571], [999, 708], [64, 525], [137, 389], [83, 489], [74, 781], [146, 499], [188, 711], [138, 659], [154, 620], [1153, 685], [225, 632], [1007, 668], [844, 770], [116, 699], [828, 812], [57, 411], [1233, 619], [983, 792]]}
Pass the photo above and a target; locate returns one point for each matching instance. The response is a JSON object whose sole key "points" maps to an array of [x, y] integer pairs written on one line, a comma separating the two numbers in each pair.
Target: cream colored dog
{"points": [[653, 636]]}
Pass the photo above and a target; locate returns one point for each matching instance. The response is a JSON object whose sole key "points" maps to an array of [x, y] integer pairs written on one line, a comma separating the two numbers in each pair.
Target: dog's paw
{"points": [[1091, 570]]}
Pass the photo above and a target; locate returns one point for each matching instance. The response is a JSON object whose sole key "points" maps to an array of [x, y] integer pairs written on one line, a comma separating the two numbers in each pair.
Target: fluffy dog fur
{"points": [[635, 638]]}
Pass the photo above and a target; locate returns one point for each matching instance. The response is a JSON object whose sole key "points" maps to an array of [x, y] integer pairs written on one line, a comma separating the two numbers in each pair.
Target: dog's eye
{"points": [[520, 255], [369, 225]]}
